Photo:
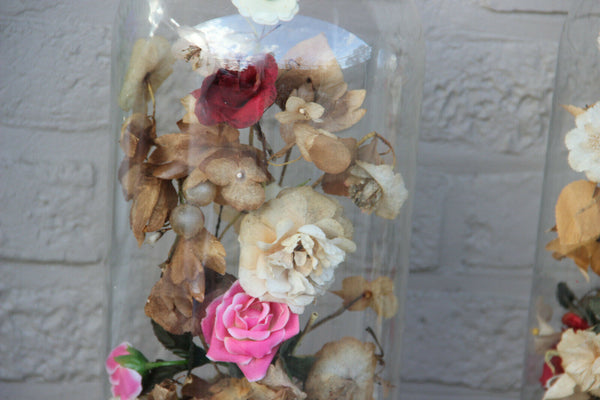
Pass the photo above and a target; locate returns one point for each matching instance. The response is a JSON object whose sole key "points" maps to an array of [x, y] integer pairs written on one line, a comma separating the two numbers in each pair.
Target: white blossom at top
{"points": [[267, 12], [583, 143]]}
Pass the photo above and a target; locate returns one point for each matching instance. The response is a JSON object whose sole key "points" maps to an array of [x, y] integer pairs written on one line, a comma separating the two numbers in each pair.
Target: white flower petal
{"points": [[267, 12]]}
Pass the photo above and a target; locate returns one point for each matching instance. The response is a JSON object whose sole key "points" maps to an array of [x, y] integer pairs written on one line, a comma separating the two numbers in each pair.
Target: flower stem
{"points": [[229, 225], [219, 221], [157, 364], [339, 312], [287, 158], [261, 136], [307, 328]]}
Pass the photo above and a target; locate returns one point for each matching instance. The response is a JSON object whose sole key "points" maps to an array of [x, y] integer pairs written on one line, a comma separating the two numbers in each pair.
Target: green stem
{"points": [[157, 364]]}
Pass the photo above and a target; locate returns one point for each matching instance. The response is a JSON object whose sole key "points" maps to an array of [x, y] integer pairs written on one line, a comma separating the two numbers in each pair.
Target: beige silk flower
{"points": [[291, 246], [580, 354]]}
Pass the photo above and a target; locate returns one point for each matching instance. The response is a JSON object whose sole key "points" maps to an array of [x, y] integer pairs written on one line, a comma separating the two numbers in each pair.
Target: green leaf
{"points": [[181, 345], [177, 344], [298, 366], [564, 295], [159, 374]]}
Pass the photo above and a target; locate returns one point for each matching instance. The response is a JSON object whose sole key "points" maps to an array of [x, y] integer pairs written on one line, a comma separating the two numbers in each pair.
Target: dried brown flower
{"points": [[377, 294], [344, 370], [239, 177], [313, 74], [172, 300]]}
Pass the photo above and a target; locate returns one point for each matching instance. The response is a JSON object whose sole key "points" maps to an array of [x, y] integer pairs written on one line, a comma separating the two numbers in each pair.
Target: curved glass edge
{"points": [[577, 82]]}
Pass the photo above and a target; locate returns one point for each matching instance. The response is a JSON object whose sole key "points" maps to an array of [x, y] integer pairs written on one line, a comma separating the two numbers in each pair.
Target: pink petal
{"points": [[208, 322], [126, 384], [257, 368], [293, 327], [255, 349], [241, 334], [120, 350], [218, 352], [282, 312]]}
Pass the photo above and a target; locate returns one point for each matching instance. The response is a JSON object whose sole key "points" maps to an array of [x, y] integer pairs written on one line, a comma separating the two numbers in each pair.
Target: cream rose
{"points": [[290, 247]]}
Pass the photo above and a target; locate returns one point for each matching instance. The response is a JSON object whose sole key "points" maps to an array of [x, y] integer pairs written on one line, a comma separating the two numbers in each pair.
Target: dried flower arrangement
{"points": [[246, 323], [572, 354]]}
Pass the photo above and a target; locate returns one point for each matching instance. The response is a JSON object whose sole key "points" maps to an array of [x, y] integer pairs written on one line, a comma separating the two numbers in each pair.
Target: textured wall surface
{"points": [[489, 77]]}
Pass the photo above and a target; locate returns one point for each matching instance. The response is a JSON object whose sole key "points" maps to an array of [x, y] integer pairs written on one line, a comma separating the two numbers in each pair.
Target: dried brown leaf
{"points": [[210, 252], [142, 207], [137, 136], [578, 213], [189, 283], [166, 390], [129, 175], [194, 387], [167, 201]]}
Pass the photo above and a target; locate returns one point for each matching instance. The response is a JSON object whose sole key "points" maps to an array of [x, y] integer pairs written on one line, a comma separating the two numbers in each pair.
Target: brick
{"points": [[427, 219], [56, 74], [52, 211], [491, 95], [501, 214], [51, 323], [461, 339]]}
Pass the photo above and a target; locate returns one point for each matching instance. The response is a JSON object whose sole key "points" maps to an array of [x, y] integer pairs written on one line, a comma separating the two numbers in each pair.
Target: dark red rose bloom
{"points": [[547, 373], [572, 320], [237, 97]]}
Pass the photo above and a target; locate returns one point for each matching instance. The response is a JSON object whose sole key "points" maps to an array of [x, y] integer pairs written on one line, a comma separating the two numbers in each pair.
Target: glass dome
{"points": [[564, 310], [264, 170]]}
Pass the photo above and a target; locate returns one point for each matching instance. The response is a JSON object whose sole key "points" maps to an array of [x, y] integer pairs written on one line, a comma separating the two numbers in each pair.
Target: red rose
{"points": [[547, 372], [237, 97], [572, 320]]}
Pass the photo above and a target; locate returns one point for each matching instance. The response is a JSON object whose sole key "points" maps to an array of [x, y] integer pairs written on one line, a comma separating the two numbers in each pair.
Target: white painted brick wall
{"points": [[490, 67]]}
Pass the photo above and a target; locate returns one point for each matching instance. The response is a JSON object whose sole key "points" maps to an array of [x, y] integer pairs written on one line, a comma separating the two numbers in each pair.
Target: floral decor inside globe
{"points": [[572, 354], [242, 323]]}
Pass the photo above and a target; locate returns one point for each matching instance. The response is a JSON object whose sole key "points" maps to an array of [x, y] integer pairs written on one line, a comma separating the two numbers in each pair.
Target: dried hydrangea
{"points": [[344, 370], [580, 354], [291, 247], [583, 142], [150, 64]]}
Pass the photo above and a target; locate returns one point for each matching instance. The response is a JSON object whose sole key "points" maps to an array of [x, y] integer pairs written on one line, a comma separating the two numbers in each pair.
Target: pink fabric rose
{"points": [[126, 383], [241, 329]]}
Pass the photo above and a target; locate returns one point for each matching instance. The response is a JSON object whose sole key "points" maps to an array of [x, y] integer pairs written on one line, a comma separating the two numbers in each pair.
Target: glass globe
{"points": [[264, 170], [564, 296]]}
